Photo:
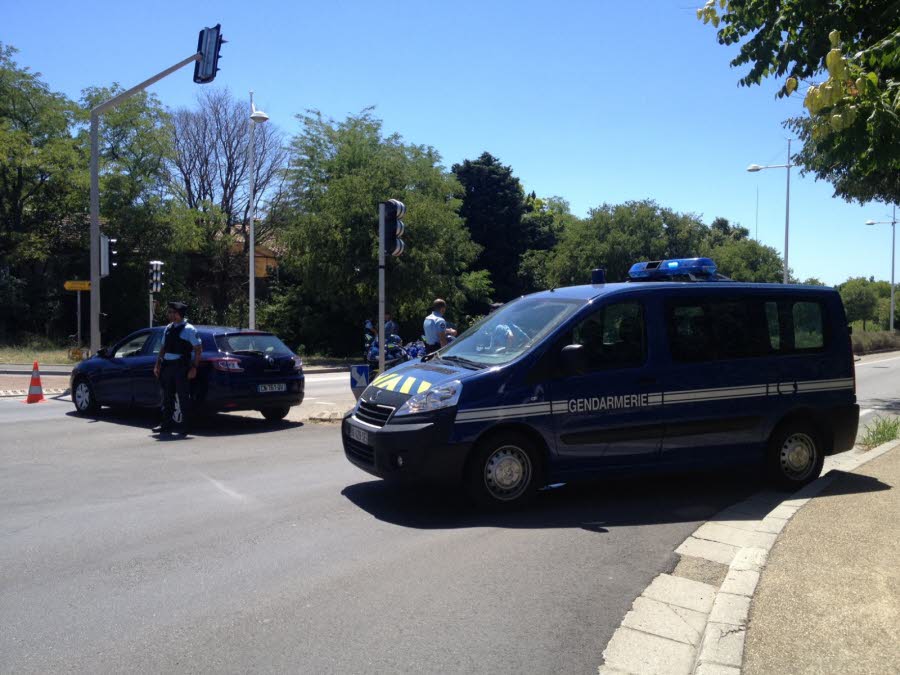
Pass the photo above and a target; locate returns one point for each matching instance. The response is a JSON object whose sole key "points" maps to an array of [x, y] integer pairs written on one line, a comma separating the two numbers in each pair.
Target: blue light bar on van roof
{"points": [[656, 269]]}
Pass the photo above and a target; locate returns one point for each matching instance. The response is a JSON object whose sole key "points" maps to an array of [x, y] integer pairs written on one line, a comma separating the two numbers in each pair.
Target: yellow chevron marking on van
{"points": [[424, 387], [388, 381], [410, 381], [390, 386], [383, 377]]}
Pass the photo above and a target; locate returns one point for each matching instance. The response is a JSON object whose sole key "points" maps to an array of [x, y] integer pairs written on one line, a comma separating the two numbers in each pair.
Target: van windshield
{"points": [[510, 331]]}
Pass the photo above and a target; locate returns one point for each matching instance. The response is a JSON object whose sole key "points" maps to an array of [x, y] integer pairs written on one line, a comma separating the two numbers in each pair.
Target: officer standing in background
{"points": [[176, 366], [435, 327], [391, 327]]}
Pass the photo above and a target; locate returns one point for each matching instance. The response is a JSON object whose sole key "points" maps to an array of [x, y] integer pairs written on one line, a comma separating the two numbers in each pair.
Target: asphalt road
{"points": [[251, 547]]}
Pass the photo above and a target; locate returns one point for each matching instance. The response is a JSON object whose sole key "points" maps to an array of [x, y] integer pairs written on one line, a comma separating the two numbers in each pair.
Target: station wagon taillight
{"points": [[227, 364]]}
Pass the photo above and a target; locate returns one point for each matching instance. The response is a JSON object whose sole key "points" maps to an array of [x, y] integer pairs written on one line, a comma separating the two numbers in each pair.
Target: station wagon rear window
{"points": [[249, 343]]}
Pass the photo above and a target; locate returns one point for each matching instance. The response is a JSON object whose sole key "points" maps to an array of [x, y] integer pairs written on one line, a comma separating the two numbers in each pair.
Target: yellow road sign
{"points": [[77, 285]]}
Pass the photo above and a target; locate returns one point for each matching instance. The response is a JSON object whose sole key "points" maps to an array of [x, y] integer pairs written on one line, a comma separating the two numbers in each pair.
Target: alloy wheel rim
{"points": [[798, 456], [82, 396], [507, 473]]}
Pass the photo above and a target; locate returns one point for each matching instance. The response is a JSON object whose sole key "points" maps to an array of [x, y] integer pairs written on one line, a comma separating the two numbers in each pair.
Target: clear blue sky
{"points": [[591, 100]]}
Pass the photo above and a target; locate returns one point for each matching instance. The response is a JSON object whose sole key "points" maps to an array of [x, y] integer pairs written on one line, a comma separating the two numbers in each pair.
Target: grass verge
{"points": [[45, 354], [881, 430], [863, 343]]}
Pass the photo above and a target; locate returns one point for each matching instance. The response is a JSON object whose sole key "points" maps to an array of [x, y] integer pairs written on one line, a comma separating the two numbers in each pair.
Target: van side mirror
{"points": [[573, 360]]}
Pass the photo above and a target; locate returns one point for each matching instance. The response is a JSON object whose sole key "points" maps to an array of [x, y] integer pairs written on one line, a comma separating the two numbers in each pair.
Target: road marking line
{"points": [[865, 411], [870, 363], [325, 403], [225, 490]]}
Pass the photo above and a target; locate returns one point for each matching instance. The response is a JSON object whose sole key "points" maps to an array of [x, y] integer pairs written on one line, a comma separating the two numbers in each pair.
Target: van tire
{"points": [[504, 471], [795, 455]]}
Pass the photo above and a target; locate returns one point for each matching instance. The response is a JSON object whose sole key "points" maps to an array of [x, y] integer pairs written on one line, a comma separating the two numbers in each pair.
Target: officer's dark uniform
{"points": [[173, 374]]}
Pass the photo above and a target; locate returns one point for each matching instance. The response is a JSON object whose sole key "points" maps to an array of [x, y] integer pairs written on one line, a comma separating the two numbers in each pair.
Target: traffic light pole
{"points": [[150, 305], [95, 188], [381, 341]]}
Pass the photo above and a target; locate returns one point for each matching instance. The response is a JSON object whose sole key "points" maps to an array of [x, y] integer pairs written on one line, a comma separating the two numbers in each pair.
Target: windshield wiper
{"points": [[474, 365], [249, 351]]}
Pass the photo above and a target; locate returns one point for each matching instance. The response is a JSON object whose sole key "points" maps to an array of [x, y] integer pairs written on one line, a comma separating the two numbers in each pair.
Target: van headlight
{"points": [[443, 396]]}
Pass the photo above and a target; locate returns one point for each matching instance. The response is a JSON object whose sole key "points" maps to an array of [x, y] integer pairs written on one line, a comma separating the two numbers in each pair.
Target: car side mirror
{"points": [[103, 352], [573, 360]]}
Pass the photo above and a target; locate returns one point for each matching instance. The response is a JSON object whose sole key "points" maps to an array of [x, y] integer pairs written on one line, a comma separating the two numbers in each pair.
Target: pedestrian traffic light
{"points": [[209, 43], [156, 275], [394, 228], [107, 255]]}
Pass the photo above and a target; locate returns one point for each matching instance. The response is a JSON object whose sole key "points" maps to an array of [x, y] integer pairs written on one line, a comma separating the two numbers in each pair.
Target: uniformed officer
{"points": [[391, 327], [435, 327], [177, 365]]}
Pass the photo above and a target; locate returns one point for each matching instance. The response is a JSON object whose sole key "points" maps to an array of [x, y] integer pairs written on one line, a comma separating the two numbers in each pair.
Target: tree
{"points": [[617, 236], [748, 260], [327, 215], [544, 221], [813, 281], [860, 300], [852, 128], [210, 176], [43, 200], [493, 206]]}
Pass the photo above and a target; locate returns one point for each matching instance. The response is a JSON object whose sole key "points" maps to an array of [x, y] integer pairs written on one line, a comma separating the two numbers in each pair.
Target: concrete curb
{"points": [[13, 369], [11, 393], [679, 625]]}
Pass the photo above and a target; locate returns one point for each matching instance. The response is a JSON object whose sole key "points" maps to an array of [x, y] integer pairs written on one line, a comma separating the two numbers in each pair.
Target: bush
{"points": [[864, 343], [881, 430]]}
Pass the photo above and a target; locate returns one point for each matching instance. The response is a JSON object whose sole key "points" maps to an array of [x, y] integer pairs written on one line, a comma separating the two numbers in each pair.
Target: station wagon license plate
{"points": [[359, 435], [264, 388]]}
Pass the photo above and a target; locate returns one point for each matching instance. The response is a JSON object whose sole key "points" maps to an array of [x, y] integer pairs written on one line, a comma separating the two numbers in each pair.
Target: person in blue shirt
{"points": [[391, 327], [435, 327], [176, 366]]}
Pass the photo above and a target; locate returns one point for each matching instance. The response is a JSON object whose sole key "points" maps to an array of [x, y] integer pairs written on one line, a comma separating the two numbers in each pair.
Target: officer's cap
{"points": [[179, 307]]}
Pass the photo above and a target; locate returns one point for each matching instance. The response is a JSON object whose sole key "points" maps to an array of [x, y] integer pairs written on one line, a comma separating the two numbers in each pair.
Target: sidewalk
{"points": [[826, 601], [829, 597]]}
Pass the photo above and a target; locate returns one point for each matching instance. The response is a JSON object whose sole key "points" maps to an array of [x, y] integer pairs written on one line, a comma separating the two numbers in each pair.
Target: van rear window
{"points": [[808, 325]]}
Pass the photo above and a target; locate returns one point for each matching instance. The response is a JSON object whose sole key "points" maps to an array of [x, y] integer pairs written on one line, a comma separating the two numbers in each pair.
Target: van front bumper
{"points": [[413, 452]]}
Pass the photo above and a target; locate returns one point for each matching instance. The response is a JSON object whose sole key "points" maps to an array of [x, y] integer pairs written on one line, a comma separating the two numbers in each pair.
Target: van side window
{"points": [[689, 334], [613, 337], [774, 326], [729, 328], [808, 325]]}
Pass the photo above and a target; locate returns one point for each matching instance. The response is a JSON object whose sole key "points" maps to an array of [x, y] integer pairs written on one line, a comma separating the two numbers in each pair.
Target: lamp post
{"points": [[256, 117], [753, 168], [893, 223]]}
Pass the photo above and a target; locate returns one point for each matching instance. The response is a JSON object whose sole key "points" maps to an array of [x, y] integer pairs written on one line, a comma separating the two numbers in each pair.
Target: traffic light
{"points": [[107, 255], [394, 228], [156, 275], [209, 43]]}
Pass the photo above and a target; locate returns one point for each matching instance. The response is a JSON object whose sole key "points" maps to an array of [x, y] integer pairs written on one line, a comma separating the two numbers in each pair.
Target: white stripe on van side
{"points": [[663, 398]]}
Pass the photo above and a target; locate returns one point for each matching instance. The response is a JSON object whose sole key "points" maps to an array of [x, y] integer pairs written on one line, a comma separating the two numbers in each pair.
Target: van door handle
{"points": [[647, 380]]}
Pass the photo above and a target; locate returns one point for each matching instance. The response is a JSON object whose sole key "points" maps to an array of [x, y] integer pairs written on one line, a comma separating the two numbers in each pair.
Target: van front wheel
{"points": [[504, 472], [795, 455]]}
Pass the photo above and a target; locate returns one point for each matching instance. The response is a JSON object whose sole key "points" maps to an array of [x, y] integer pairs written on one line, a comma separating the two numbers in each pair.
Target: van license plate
{"points": [[360, 435], [263, 388]]}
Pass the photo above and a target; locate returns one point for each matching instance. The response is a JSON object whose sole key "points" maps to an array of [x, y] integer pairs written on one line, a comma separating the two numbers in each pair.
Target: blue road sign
{"points": [[359, 377]]}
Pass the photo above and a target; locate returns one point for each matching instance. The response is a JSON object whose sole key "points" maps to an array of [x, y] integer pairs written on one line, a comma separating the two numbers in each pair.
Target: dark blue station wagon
{"points": [[239, 370]]}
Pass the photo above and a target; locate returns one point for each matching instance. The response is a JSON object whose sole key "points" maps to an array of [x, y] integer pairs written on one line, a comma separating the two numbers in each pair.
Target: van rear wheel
{"points": [[275, 413], [795, 455], [504, 471]]}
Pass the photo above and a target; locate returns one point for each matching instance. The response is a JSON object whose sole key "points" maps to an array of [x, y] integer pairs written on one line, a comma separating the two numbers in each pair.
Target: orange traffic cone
{"points": [[35, 391]]}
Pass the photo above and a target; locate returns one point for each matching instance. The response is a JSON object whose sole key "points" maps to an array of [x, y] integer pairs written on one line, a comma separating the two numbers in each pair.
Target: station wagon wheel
{"points": [[504, 471], [795, 455], [83, 398]]}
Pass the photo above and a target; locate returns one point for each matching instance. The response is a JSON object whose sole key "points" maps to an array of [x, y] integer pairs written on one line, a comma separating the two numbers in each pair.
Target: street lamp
{"points": [[893, 223], [256, 117], [753, 168]]}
